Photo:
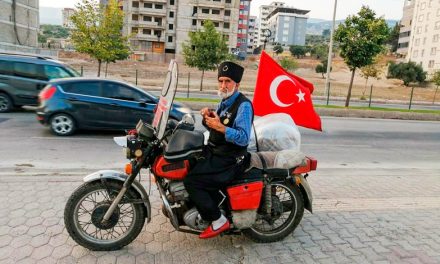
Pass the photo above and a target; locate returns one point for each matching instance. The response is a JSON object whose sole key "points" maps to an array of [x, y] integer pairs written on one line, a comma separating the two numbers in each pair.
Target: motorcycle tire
{"points": [[286, 228], [74, 205]]}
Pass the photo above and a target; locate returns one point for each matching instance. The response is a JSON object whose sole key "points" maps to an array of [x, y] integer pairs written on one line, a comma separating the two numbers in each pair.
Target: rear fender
{"points": [[119, 176], [306, 192]]}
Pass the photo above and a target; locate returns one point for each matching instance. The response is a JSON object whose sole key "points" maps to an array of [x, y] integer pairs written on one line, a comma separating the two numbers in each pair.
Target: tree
{"points": [[393, 39], [288, 64], [361, 38], [205, 49], [97, 31], [326, 33], [52, 31], [373, 70], [408, 72], [436, 80], [322, 67], [278, 49], [298, 51], [320, 51]]}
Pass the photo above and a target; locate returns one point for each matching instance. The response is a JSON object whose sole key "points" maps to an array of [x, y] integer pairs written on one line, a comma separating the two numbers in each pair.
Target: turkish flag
{"points": [[278, 91]]}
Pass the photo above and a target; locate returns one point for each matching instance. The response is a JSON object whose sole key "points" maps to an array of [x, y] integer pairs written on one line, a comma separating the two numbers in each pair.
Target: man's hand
{"points": [[204, 112], [213, 121]]}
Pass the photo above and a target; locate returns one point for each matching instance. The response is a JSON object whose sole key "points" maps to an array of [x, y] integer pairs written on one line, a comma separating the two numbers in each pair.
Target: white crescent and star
{"points": [[274, 87]]}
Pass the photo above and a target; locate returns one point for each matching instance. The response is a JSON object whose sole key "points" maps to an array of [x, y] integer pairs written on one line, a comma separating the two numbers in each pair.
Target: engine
{"points": [[178, 192]]}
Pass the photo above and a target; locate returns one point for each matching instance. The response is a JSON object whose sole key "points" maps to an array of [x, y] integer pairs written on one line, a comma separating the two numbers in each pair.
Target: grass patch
{"points": [[380, 109]]}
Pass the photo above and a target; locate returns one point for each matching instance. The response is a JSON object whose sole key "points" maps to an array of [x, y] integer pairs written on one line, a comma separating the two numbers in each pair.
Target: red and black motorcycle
{"points": [[108, 211]]}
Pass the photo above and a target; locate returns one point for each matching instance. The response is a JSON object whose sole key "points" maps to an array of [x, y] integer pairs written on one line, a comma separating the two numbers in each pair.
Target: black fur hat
{"points": [[231, 70]]}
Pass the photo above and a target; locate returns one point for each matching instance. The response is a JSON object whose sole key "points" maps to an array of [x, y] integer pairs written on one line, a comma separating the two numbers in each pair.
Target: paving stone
{"points": [[23, 252], [62, 251], [42, 252], [20, 241]]}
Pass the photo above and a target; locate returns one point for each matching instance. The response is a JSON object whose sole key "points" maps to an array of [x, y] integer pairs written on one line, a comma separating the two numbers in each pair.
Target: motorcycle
{"points": [[108, 211]]}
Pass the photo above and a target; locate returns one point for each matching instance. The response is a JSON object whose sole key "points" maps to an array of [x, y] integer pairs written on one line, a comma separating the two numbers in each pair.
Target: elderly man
{"points": [[224, 156]]}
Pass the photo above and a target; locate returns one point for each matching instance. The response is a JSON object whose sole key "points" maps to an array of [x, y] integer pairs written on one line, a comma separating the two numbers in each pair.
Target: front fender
{"points": [[306, 192], [120, 176]]}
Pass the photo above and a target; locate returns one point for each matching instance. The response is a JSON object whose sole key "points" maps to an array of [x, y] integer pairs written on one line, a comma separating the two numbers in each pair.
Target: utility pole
{"points": [[330, 53]]}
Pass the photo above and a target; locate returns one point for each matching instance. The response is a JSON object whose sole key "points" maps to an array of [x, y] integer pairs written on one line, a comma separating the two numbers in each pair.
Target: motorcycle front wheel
{"points": [[86, 207], [287, 212]]}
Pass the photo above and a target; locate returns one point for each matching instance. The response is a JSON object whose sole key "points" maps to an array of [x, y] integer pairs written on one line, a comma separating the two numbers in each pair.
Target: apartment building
{"points": [[161, 26], [264, 12], [288, 25], [424, 43], [243, 26], [252, 34], [19, 23], [405, 28], [66, 14]]}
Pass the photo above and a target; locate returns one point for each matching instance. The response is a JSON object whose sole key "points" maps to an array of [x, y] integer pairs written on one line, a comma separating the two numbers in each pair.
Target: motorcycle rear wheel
{"points": [[265, 232], [87, 206]]}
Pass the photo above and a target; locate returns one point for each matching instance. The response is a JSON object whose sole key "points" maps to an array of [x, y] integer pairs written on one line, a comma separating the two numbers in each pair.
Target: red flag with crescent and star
{"points": [[278, 91]]}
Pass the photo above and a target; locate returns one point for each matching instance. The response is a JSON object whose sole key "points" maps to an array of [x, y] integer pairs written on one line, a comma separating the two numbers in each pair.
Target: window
{"points": [[54, 72], [156, 6], [147, 18], [170, 38], [426, 28], [170, 26], [422, 53], [205, 11], [215, 11], [134, 30], [5, 68], [146, 31], [84, 88], [417, 42], [194, 10], [226, 25], [427, 16], [423, 6], [171, 14], [134, 17], [424, 40], [148, 5], [437, 25], [227, 1], [415, 54], [435, 38], [433, 51], [135, 4], [171, 2], [120, 92], [28, 70], [228, 12], [431, 64], [194, 22], [287, 19], [158, 20], [438, 12], [421, 18], [285, 39], [216, 24], [419, 30]]}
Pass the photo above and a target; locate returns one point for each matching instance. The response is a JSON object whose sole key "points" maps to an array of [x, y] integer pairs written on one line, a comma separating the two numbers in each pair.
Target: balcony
{"points": [[152, 38], [154, 1], [153, 11], [149, 24]]}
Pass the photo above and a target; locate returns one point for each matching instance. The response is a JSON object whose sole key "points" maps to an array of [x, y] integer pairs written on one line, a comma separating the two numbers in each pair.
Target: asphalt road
{"points": [[333, 101], [345, 143]]}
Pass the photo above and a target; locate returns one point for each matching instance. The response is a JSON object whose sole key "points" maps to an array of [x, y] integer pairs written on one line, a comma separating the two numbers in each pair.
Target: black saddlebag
{"points": [[183, 144]]}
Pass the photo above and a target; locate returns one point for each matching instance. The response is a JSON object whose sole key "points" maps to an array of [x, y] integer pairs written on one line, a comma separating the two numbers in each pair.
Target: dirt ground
{"points": [[153, 73]]}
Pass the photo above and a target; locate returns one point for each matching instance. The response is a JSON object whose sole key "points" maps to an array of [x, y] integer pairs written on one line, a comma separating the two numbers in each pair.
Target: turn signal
{"points": [[297, 180], [128, 168], [138, 153]]}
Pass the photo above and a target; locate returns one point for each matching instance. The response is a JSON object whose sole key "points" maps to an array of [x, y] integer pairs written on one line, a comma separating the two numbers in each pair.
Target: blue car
{"points": [[66, 105]]}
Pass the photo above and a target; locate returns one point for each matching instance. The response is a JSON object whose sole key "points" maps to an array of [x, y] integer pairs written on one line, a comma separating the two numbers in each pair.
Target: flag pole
{"points": [[330, 53]]}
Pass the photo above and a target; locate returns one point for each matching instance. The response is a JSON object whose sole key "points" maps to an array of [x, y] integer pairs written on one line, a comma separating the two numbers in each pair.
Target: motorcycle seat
{"points": [[276, 162]]}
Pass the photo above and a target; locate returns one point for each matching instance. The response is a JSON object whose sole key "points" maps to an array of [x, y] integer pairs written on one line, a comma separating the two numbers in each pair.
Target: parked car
{"points": [[92, 103], [22, 77]]}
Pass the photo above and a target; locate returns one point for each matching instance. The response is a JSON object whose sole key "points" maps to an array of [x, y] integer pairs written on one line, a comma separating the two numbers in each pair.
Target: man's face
{"points": [[226, 85]]}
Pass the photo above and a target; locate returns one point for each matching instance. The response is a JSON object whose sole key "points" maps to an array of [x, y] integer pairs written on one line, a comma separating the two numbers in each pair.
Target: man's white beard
{"points": [[224, 95]]}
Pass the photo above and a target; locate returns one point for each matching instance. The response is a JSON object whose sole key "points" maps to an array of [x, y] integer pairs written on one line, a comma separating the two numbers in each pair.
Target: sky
{"points": [[323, 9]]}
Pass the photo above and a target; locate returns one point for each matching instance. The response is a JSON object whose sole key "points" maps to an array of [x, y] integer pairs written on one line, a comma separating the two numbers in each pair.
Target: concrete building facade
{"points": [[19, 23], [424, 44], [405, 28], [66, 14], [264, 12], [161, 26], [288, 26], [252, 34], [243, 26]]}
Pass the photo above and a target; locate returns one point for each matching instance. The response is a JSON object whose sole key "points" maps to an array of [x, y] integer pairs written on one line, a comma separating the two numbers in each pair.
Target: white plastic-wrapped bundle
{"points": [[275, 132]]}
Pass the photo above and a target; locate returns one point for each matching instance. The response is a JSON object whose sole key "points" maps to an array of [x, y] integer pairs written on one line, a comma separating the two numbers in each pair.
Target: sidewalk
{"points": [[369, 219]]}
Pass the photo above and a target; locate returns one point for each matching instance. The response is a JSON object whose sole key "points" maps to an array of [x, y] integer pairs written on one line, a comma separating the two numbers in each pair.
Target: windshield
{"points": [[166, 100], [73, 71]]}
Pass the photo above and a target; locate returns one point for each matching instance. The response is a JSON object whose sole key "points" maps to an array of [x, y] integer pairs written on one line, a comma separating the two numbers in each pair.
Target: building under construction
{"points": [[19, 23]]}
